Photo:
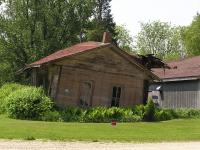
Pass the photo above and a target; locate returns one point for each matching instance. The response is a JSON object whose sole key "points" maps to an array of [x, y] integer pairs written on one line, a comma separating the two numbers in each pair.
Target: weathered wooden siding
{"points": [[104, 60], [93, 75], [71, 78], [104, 69], [182, 94]]}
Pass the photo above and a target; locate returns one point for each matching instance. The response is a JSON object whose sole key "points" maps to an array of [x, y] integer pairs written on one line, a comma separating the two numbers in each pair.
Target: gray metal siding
{"points": [[182, 94]]}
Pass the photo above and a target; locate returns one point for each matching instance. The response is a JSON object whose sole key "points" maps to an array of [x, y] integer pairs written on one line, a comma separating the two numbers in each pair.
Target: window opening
{"points": [[116, 94]]}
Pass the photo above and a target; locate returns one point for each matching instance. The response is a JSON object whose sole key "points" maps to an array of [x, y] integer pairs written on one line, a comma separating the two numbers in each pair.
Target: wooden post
{"points": [[58, 83]]}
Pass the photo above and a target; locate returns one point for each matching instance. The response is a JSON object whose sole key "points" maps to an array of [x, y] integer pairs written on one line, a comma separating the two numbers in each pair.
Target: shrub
{"points": [[149, 111], [28, 103], [52, 116], [103, 114], [96, 114], [193, 113], [173, 113], [5, 91], [162, 115], [138, 110], [71, 114], [188, 113], [115, 113], [125, 115]]}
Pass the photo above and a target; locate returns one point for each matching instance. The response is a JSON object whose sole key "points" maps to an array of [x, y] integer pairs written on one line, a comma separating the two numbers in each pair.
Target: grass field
{"points": [[174, 130]]}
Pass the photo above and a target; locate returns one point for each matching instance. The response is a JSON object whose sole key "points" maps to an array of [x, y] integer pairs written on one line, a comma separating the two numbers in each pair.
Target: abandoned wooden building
{"points": [[180, 86], [92, 74]]}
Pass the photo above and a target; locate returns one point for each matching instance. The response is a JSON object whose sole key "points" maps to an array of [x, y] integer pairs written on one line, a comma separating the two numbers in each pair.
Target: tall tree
{"points": [[192, 37], [102, 21], [124, 39], [83, 10], [160, 39], [31, 29]]}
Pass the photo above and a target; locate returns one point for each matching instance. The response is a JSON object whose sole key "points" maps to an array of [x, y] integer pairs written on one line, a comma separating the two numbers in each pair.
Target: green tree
{"points": [[32, 29], [160, 39], [192, 37], [102, 21], [83, 10], [124, 39]]}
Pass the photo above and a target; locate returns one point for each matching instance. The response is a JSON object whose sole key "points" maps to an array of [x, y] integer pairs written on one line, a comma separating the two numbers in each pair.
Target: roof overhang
{"points": [[179, 79], [27, 67], [117, 49]]}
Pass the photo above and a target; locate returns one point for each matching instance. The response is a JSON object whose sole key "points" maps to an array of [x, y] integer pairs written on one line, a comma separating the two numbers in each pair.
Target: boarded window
{"points": [[86, 93], [116, 94]]}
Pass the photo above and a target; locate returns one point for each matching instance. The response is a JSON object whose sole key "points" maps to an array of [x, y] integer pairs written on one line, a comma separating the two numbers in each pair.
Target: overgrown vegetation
{"points": [[103, 114], [24, 102], [5, 91], [27, 102], [32, 29]]}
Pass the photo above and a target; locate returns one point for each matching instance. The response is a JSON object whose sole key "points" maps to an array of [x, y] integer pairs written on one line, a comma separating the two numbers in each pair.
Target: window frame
{"points": [[116, 99]]}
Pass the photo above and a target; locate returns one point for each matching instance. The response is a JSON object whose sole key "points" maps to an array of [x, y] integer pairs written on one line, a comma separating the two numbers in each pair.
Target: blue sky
{"points": [[131, 12]]}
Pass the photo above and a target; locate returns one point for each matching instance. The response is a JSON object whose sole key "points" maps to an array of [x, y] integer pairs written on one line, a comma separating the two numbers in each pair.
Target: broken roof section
{"points": [[184, 69]]}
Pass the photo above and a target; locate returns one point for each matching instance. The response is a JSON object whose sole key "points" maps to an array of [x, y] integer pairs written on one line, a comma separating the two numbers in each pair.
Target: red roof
{"points": [[189, 67], [78, 48]]}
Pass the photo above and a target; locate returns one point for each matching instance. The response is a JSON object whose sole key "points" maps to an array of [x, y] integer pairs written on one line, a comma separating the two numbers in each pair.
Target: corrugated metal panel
{"points": [[184, 94]]}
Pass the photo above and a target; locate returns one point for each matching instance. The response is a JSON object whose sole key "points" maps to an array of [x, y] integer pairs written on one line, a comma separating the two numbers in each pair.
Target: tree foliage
{"points": [[32, 29], [124, 39], [102, 21], [192, 37], [160, 39]]}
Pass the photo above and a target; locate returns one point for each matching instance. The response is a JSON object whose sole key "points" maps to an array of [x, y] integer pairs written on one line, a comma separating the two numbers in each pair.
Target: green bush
{"points": [[149, 111], [162, 115], [96, 114], [188, 113], [138, 110], [5, 91], [168, 114], [193, 113], [52, 116], [173, 112], [71, 114], [28, 103]]}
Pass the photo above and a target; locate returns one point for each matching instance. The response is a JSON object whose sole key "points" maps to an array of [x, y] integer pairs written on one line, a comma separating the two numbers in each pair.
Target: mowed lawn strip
{"points": [[174, 130]]}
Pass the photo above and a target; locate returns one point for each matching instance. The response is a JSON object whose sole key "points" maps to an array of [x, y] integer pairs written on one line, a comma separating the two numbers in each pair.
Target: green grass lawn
{"points": [[174, 130]]}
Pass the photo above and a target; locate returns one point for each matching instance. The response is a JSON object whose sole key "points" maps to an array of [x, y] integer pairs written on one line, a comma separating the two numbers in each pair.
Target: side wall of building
{"points": [[102, 70], [179, 94], [69, 89], [93, 77]]}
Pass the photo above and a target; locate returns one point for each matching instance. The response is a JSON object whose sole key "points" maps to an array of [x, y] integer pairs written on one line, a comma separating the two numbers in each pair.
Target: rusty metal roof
{"points": [[84, 47], [78, 48], [184, 68]]}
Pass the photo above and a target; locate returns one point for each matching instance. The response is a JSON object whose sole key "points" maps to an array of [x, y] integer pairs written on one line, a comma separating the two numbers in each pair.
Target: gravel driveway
{"points": [[50, 145]]}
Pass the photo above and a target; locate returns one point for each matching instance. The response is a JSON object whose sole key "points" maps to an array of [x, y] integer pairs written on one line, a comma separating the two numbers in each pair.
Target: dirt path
{"points": [[49, 145]]}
